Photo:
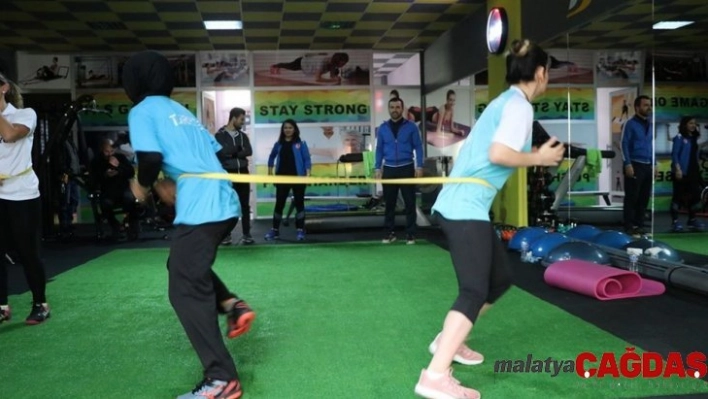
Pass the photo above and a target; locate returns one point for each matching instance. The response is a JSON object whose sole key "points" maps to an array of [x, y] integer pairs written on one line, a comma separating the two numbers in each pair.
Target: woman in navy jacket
{"points": [[289, 157], [687, 179]]}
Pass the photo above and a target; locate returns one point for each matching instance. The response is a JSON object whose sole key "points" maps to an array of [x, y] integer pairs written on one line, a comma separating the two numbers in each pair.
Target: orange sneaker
{"points": [[239, 319]]}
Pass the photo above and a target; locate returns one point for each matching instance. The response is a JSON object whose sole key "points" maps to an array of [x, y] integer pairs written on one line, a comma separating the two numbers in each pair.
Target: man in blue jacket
{"points": [[638, 161], [396, 140]]}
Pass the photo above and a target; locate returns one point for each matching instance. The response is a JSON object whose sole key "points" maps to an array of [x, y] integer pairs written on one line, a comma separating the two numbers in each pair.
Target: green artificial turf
{"points": [[688, 242], [334, 321]]}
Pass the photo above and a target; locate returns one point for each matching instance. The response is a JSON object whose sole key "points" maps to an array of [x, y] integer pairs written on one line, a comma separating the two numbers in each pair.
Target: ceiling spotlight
{"points": [[668, 25], [223, 25]]}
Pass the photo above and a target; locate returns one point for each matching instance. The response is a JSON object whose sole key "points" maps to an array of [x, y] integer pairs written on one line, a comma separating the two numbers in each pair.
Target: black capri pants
{"points": [[480, 262], [281, 196]]}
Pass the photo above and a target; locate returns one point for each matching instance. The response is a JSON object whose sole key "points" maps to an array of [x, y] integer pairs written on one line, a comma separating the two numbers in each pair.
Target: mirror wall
{"points": [[594, 103], [603, 68], [678, 85]]}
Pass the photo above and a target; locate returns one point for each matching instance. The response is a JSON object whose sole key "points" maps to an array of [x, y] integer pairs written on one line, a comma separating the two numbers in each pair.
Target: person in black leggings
{"points": [[20, 204], [687, 180], [500, 142], [289, 157]]}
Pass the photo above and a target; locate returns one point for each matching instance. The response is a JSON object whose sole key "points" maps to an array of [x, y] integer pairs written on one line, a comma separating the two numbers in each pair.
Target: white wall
{"points": [[603, 113], [228, 99], [408, 74]]}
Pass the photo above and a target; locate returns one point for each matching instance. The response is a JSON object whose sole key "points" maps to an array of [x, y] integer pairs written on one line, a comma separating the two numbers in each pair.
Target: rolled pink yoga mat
{"points": [[601, 282]]}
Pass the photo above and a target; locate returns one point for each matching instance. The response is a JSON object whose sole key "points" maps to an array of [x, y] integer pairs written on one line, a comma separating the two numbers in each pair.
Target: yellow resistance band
{"points": [[24, 172], [244, 178]]}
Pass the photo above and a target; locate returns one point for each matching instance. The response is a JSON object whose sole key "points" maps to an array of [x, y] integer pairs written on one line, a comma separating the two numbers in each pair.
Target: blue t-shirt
{"points": [[159, 124], [507, 120]]}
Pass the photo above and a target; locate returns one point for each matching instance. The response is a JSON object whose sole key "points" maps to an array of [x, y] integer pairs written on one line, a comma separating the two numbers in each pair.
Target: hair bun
{"points": [[520, 48]]}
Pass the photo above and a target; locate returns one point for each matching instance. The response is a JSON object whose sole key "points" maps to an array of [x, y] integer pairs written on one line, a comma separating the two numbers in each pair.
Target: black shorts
{"points": [[480, 262]]}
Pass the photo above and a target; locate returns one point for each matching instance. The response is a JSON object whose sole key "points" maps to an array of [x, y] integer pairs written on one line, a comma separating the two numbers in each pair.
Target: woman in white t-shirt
{"points": [[20, 206]]}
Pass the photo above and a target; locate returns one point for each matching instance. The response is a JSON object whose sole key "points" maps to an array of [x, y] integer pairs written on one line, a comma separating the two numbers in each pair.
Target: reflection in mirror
{"points": [[396, 75], [597, 73], [680, 117], [559, 196], [448, 122]]}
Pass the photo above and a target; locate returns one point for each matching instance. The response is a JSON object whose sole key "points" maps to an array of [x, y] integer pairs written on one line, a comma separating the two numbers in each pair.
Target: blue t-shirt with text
{"points": [[160, 124]]}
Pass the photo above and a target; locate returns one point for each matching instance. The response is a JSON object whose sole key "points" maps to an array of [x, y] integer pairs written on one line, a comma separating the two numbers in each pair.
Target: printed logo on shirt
{"points": [[184, 120]]}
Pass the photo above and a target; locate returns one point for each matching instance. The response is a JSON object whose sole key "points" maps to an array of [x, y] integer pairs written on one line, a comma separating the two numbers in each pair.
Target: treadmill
{"points": [[603, 214]]}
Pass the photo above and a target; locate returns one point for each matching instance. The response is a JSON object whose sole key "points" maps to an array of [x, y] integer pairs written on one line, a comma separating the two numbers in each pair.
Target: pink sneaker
{"points": [[464, 355], [446, 387]]}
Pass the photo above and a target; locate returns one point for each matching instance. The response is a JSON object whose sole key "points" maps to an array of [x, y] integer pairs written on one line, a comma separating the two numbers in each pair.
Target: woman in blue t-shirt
{"points": [[289, 157], [499, 144]]}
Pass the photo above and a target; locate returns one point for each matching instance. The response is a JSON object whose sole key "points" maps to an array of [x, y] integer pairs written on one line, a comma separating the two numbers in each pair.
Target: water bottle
{"points": [[524, 250], [561, 228], [633, 258]]}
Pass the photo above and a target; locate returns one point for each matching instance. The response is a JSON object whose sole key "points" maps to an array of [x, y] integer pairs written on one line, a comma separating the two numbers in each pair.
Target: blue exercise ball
{"points": [[583, 232], [543, 245], [656, 250], [613, 239], [578, 250], [528, 234]]}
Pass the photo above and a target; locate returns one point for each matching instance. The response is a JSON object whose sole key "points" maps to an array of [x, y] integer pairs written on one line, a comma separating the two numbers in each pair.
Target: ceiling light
{"points": [[335, 25], [223, 25], [665, 25]]}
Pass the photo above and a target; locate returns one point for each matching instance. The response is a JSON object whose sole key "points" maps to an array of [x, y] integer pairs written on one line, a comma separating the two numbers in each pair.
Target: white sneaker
{"points": [[464, 354], [445, 387]]}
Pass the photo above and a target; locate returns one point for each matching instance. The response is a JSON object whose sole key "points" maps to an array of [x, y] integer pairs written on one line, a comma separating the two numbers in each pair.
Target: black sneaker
{"points": [[215, 389], [391, 237], [39, 314], [5, 314], [410, 239], [226, 240], [247, 240]]}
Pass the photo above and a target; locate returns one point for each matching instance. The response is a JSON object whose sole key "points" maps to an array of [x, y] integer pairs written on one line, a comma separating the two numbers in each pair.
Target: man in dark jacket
{"points": [[236, 148], [396, 141]]}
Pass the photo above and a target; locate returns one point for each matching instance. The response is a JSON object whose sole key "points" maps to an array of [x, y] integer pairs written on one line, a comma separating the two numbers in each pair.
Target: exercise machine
{"points": [[546, 208], [50, 157], [51, 161], [605, 214]]}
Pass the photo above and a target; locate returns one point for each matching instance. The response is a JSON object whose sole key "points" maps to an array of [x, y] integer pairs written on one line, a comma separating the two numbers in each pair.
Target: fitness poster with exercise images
{"points": [[554, 104], [224, 69], [294, 68], [42, 72], [571, 67], [117, 105], [105, 72]]}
